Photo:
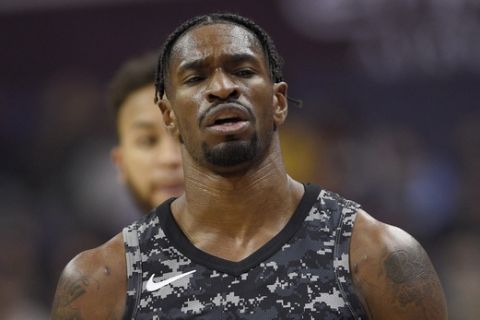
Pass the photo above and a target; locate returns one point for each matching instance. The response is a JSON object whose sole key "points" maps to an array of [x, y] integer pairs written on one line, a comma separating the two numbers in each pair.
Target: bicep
{"points": [[393, 274], [92, 286], [73, 295], [412, 287]]}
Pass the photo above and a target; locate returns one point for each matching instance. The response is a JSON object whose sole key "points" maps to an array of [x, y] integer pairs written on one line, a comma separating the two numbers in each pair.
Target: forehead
{"points": [[139, 107], [213, 40]]}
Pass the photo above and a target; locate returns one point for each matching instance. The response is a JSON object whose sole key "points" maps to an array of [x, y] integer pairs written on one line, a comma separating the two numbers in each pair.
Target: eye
{"points": [[146, 141], [244, 73], [193, 79]]}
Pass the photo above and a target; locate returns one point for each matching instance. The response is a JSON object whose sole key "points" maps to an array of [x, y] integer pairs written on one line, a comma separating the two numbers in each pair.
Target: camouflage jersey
{"points": [[301, 273]]}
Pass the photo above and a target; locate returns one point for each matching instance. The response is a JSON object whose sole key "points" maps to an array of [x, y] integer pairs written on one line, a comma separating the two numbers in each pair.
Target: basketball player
{"points": [[147, 156], [245, 241]]}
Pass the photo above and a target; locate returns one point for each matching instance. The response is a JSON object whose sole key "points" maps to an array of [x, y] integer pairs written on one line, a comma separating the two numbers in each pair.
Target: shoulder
{"points": [[93, 284], [392, 273]]}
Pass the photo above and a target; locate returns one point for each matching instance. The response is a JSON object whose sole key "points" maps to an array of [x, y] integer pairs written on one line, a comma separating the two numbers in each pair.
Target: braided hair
{"points": [[274, 60]]}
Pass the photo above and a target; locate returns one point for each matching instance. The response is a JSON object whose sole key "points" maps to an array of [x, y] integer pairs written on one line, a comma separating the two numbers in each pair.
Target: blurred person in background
{"points": [[147, 156], [245, 240]]}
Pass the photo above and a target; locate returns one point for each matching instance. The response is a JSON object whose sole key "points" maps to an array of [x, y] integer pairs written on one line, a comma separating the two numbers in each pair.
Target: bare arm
{"points": [[93, 284], [393, 273]]}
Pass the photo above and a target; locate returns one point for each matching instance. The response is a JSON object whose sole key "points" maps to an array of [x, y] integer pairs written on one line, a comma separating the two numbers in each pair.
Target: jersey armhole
{"points": [[341, 260], [133, 262]]}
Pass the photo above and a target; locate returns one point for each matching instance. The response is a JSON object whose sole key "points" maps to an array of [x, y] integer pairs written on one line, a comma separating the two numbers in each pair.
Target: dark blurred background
{"points": [[390, 119]]}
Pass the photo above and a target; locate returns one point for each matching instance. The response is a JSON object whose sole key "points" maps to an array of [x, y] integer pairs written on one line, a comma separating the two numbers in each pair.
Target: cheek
{"points": [[261, 96], [185, 111], [187, 124], [138, 166], [264, 111]]}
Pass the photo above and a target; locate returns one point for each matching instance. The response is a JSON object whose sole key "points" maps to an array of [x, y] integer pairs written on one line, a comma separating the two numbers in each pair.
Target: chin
{"points": [[231, 154]]}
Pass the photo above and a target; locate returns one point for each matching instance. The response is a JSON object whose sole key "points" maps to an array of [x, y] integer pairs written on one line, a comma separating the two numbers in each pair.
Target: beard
{"points": [[143, 203], [231, 152]]}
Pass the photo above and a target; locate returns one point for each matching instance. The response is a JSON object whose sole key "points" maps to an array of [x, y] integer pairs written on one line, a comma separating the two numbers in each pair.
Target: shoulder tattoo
{"points": [[403, 266], [413, 278], [68, 291]]}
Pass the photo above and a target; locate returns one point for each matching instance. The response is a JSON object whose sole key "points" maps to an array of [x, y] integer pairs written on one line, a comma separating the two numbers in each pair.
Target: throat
{"points": [[229, 248], [234, 223]]}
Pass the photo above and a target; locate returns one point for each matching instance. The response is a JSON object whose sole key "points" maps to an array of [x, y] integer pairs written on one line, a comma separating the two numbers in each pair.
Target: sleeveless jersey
{"points": [[301, 273]]}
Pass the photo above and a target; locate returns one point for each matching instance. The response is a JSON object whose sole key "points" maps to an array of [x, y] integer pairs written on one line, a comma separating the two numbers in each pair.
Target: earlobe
{"points": [[167, 112], [280, 102], [169, 117]]}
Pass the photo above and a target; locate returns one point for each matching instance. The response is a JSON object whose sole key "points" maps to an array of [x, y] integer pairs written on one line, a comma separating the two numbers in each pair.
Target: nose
{"points": [[221, 87], [168, 153]]}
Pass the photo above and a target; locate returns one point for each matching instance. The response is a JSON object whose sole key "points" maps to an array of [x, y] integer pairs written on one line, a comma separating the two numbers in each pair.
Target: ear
{"points": [[117, 158], [280, 102], [169, 117]]}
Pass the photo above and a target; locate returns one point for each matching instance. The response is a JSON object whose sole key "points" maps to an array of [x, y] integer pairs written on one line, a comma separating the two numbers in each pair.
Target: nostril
{"points": [[222, 90]]}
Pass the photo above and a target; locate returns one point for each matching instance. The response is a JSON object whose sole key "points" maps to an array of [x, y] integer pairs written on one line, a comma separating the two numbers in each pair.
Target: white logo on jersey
{"points": [[154, 286]]}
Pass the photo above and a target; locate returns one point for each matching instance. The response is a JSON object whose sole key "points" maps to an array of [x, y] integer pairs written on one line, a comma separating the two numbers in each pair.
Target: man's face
{"points": [[148, 156], [223, 98]]}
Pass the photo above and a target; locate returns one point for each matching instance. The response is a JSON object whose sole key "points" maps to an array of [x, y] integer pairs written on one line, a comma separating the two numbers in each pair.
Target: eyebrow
{"points": [[231, 58], [191, 65], [143, 124], [243, 57]]}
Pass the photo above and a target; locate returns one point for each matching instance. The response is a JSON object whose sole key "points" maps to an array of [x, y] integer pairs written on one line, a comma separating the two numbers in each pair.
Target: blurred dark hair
{"points": [[134, 74], [271, 55]]}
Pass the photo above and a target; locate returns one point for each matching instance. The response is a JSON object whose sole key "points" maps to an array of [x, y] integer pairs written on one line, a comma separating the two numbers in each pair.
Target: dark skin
{"points": [[93, 285], [236, 205], [393, 274]]}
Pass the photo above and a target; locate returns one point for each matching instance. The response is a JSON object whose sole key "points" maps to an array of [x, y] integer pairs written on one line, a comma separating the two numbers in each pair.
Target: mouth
{"points": [[228, 119]]}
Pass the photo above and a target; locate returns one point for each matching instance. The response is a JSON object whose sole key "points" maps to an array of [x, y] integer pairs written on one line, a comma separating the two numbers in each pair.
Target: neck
{"points": [[242, 211]]}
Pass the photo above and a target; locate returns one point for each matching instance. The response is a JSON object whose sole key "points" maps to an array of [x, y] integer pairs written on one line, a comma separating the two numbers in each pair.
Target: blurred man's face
{"points": [[148, 156]]}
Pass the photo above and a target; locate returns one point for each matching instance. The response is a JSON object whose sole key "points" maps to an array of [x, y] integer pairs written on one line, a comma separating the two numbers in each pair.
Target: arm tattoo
{"points": [[414, 280], [403, 267], [68, 291]]}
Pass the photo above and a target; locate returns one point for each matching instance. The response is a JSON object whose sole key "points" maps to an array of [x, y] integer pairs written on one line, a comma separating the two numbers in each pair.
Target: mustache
{"points": [[218, 105]]}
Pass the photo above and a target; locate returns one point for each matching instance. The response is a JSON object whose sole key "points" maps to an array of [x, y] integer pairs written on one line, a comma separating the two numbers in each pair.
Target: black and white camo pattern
{"points": [[309, 278]]}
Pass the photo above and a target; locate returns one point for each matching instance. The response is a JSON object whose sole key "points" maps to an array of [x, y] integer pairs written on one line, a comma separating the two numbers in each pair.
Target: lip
{"points": [[228, 118]]}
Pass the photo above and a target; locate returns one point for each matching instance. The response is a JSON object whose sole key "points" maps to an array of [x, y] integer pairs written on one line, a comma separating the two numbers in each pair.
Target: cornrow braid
{"points": [[274, 60]]}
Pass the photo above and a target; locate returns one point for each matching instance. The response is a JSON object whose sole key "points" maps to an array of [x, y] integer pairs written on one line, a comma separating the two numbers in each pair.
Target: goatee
{"points": [[231, 153]]}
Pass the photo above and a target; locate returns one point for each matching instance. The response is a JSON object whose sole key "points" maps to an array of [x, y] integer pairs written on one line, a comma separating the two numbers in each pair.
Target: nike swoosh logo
{"points": [[154, 286]]}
